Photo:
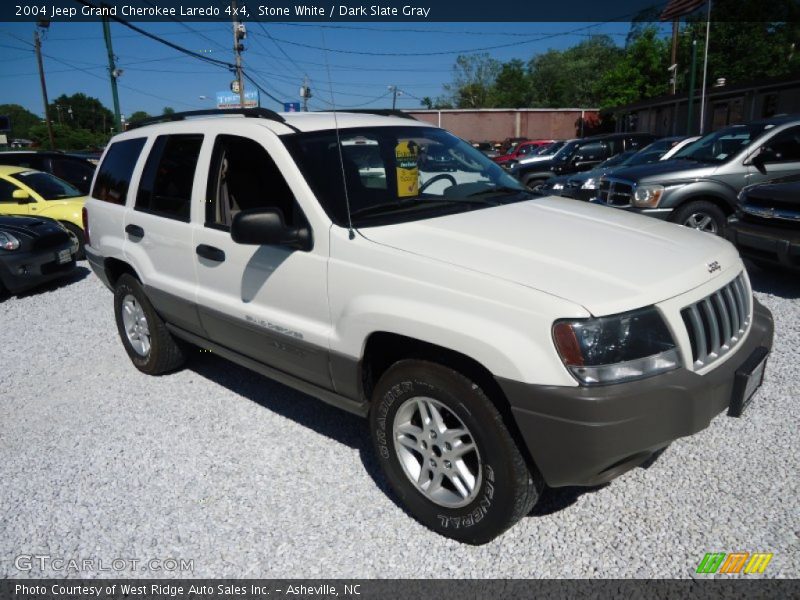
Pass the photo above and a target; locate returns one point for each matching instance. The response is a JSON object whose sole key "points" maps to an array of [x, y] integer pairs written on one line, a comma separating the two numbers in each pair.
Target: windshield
{"points": [[396, 174], [644, 157], [566, 150], [47, 186], [547, 149], [722, 145], [620, 159]]}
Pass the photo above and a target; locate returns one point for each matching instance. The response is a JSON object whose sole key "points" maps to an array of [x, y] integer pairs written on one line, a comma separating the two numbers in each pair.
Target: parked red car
{"points": [[521, 150]]}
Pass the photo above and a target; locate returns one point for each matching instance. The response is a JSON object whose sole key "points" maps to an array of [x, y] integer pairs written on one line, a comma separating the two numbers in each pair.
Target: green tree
{"points": [[68, 138], [138, 116], [80, 111], [21, 120], [641, 71], [473, 78], [569, 78], [512, 86], [168, 110]]}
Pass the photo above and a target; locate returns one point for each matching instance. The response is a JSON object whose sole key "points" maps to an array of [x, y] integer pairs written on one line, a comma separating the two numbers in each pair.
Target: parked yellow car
{"points": [[34, 193]]}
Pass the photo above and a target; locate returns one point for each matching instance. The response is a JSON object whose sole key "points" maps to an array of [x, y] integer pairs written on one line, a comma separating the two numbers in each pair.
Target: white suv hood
{"points": [[605, 259]]}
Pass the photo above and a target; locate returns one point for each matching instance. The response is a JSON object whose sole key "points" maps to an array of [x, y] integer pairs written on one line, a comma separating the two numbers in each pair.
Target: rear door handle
{"points": [[210, 253], [134, 230]]}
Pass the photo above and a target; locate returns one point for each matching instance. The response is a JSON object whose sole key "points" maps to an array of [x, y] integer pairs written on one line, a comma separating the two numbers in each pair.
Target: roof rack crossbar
{"points": [[259, 113]]}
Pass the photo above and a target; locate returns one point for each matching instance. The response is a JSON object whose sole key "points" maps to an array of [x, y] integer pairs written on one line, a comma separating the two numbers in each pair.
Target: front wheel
{"points": [[448, 455], [534, 184], [701, 215]]}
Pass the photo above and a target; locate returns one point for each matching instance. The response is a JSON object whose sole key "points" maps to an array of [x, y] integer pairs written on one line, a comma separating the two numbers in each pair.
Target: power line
{"points": [[443, 31]]}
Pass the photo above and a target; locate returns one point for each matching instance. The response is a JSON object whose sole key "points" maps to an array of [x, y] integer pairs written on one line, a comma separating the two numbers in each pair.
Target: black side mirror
{"points": [[760, 162], [265, 226]]}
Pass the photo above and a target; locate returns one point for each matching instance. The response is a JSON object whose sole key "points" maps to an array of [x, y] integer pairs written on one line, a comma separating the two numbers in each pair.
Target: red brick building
{"points": [[497, 124]]}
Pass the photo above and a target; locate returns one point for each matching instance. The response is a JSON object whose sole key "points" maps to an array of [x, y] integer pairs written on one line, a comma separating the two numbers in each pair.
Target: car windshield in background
{"points": [[722, 145], [620, 159], [643, 157], [47, 186], [395, 174], [547, 149], [566, 151]]}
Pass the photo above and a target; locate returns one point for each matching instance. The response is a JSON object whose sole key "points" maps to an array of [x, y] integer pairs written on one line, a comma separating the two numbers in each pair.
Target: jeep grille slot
{"points": [[615, 192], [718, 322]]}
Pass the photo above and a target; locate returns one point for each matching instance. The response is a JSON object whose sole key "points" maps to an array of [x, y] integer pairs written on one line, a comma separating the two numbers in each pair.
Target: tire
{"points": [[151, 348], [497, 487], [701, 215], [78, 233], [533, 183]]}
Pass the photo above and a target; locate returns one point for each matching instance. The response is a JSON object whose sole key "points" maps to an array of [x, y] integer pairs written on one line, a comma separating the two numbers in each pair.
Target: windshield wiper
{"points": [[417, 203], [502, 189]]}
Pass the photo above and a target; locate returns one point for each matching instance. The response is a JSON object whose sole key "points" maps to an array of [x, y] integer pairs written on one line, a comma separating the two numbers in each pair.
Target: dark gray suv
{"points": [[698, 188]]}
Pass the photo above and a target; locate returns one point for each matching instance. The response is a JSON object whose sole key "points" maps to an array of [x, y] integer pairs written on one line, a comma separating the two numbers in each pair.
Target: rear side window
{"points": [[166, 185], [74, 171], [114, 175]]}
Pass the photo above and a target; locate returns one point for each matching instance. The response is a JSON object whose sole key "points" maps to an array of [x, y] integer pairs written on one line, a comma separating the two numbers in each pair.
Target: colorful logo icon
{"points": [[735, 562]]}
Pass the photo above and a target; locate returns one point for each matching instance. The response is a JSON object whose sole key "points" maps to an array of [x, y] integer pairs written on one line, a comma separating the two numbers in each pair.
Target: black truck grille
{"points": [[615, 192]]}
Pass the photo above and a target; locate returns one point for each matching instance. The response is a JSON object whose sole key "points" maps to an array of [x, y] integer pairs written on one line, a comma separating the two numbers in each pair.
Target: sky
{"points": [[352, 60]]}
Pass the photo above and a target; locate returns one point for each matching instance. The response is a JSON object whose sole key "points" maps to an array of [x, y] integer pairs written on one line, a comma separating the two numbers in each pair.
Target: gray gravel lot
{"points": [[248, 478]]}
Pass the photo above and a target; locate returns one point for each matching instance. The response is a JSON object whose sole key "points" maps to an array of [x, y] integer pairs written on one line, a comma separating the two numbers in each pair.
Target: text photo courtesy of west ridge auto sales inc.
{"points": [[407, 298]]}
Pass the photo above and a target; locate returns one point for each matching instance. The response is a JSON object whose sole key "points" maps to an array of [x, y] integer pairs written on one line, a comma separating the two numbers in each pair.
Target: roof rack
{"points": [[257, 113], [383, 112]]}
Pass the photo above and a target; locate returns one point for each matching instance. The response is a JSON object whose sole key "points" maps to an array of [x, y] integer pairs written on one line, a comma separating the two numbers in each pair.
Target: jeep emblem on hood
{"points": [[714, 266]]}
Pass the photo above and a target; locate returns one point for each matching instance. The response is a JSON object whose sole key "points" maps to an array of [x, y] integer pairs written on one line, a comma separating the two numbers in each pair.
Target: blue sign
{"points": [[231, 100], [291, 107]]}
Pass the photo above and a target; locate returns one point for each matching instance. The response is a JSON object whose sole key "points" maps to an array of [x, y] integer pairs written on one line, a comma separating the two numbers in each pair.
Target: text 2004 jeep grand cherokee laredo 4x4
{"points": [[461, 314]]}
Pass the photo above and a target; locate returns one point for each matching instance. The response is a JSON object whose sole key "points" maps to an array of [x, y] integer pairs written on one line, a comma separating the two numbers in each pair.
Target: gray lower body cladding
{"points": [[589, 435]]}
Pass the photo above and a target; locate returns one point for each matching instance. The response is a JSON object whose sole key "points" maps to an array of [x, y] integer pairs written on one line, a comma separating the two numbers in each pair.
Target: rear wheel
{"points": [[78, 233], [448, 455], [701, 215], [149, 344]]}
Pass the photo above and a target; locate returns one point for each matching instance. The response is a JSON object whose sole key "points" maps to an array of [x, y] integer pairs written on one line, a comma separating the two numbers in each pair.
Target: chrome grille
{"points": [[615, 192], [718, 322]]}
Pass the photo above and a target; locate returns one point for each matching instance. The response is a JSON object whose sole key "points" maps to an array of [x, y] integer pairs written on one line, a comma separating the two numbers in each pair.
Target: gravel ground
{"points": [[248, 478]]}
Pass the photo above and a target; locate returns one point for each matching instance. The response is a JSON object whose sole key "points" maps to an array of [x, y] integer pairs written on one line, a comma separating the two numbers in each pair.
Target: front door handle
{"points": [[210, 252], [134, 230]]}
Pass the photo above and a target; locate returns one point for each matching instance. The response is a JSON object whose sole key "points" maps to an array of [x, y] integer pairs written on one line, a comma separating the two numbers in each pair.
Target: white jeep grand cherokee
{"points": [[494, 338]]}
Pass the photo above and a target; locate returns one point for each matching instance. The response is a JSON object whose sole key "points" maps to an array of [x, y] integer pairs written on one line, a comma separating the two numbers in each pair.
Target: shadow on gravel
{"points": [[783, 284], [77, 274], [554, 500], [334, 423]]}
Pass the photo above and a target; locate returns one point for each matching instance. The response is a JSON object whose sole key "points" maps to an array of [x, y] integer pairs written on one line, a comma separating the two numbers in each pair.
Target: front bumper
{"points": [[770, 243], [589, 435], [20, 271]]}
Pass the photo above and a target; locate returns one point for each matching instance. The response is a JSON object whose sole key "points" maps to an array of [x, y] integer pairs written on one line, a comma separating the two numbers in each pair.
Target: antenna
{"points": [[350, 232]]}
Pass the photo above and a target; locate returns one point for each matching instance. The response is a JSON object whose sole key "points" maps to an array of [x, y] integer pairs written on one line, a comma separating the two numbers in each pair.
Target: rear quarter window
{"points": [[114, 174]]}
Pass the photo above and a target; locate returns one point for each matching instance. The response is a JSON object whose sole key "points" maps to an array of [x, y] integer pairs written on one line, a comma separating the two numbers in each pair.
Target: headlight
{"points": [[8, 241], [558, 185], [589, 184], [510, 165], [647, 196], [617, 348]]}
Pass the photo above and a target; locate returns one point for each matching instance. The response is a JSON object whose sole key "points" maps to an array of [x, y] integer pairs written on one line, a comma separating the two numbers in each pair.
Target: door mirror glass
{"points": [[266, 226]]}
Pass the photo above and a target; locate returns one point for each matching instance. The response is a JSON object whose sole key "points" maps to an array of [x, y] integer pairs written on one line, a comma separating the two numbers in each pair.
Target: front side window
{"points": [[166, 186], [243, 176], [395, 174], [47, 186], [114, 174], [783, 148]]}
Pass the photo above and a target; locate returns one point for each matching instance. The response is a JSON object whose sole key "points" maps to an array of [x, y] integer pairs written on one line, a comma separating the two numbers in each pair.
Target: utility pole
{"points": [[705, 73], [690, 104], [395, 91], [37, 44], [674, 62], [305, 93], [238, 34], [113, 73]]}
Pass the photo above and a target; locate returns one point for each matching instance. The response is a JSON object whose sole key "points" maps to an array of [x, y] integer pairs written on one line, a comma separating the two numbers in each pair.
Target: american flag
{"points": [[678, 8]]}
